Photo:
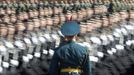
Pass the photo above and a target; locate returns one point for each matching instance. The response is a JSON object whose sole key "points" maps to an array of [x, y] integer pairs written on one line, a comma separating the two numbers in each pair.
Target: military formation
{"points": [[29, 31]]}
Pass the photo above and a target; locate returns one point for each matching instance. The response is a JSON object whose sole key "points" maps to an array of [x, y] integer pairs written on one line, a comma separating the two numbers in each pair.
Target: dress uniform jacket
{"points": [[71, 55]]}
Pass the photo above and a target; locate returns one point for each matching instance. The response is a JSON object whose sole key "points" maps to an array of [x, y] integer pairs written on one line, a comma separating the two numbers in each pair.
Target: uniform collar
{"points": [[71, 41]]}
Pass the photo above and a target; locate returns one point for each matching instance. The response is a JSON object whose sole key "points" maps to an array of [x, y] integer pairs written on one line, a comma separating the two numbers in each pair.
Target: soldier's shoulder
{"points": [[77, 46], [60, 47], [80, 45], [80, 48], [56, 48]]}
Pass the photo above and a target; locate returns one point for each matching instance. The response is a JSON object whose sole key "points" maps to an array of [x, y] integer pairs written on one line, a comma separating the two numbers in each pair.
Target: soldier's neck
{"points": [[10, 37], [36, 29], [42, 28], [20, 34], [74, 39], [28, 31], [1, 38]]}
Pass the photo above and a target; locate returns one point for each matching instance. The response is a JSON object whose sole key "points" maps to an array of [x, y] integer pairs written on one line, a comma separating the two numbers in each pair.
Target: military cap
{"points": [[62, 4], [70, 28], [15, 5]]}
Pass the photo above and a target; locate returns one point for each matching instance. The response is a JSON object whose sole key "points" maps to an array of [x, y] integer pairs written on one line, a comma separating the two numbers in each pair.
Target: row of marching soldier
{"points": [[29, 32]]}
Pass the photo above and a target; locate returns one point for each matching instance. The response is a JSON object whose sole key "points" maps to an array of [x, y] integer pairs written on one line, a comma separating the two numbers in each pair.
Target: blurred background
{"points": [[29, 33]]}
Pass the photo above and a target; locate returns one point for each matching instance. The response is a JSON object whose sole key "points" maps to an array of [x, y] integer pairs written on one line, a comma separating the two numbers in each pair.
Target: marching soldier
{"points": [[71, 58]]}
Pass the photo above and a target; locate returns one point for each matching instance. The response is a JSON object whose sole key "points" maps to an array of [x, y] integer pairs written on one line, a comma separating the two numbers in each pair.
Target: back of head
{"points": [[70, 28]]}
